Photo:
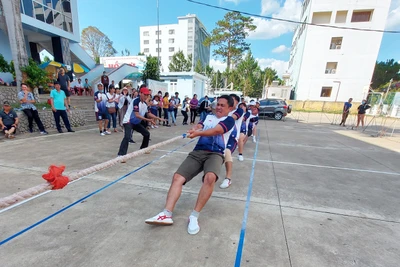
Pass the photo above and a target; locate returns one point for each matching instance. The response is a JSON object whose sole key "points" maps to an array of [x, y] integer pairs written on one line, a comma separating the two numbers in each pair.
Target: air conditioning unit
{"points": [[338, 46], [333, 71]]}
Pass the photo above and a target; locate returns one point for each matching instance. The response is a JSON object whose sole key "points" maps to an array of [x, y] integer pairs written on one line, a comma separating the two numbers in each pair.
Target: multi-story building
{"points": [[51, 25], [188, 36], [334, 64]]}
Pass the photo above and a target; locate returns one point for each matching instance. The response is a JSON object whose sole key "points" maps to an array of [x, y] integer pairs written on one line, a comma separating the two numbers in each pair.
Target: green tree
{"points": [[4, 66], [229, 36], [217, 80], [151, 69], [247, 68], [46, 59], [140, 54], [199, 67], [180, 63], [384, 71], [125, 52], [96, 43], [35, 76]]}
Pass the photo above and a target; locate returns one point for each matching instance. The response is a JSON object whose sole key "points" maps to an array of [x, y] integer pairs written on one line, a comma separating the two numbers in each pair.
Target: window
{"points": [[263, 102], [158, 41], [158, 50], [272, 102], [171, 49], [146, 33], [326, 91], [171, 40], [321, 17], [39, 11], [170, 58], [146, 41], [336, 43], [341, 16], [158, 32], [361, 16], [27, 7], [331, 68], [171, 31], [146, 50], [190, 28]]}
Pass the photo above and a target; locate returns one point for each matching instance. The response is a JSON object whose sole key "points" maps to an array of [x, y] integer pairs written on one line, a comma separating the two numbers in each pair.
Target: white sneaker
{"points": [[152, 126], [193, 225], [225, 184], [160, 219], [254, 139], [102, 134], [107, 132], [155, 126], [240, 158]]}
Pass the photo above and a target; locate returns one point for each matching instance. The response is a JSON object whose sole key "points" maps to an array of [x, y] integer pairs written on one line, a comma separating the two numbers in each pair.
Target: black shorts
{"points": [[249, 131], [7, 127], [67, 93]]}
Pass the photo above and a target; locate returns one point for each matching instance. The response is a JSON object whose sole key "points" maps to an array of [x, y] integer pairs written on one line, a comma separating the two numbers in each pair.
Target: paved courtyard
{"points": [[320, 195]]}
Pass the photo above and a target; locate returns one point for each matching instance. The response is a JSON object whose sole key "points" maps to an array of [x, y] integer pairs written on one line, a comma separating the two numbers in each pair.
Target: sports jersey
{"points": [[135, 106], [252, 121], [239, 113], [243, 127], [215, 143], [100, 106]]}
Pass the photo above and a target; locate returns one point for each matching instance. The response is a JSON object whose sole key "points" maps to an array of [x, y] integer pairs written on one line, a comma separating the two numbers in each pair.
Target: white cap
{"points": [[252, 103]]}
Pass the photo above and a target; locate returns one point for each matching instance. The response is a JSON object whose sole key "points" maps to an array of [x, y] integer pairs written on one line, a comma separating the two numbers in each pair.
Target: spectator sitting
{"points": [[79, 87], [88, 88], [8, 120], [3, 82], [14, 82]]}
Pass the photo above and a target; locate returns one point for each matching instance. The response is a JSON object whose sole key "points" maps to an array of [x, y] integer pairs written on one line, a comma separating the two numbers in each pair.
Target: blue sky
{"points": [[120, 21]]}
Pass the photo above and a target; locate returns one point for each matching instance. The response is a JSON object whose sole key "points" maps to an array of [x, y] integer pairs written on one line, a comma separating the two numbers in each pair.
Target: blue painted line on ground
{"points": [[239, 251], [87, 196]]}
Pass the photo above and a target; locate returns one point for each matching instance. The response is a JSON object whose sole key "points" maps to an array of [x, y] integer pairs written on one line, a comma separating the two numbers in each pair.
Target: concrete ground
{"points": [[321, 195]]}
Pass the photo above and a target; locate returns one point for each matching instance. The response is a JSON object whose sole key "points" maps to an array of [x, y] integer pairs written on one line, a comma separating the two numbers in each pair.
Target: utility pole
{"points": [[158, 37]]}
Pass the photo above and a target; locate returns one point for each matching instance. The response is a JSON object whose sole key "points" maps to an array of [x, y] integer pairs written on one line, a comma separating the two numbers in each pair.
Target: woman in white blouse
{"points": [[112, 110]]}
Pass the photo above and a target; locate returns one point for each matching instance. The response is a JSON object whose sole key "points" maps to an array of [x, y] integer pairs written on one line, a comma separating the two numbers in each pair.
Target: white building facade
{"points": [[330, 64], [188, 36], [186, 83]]}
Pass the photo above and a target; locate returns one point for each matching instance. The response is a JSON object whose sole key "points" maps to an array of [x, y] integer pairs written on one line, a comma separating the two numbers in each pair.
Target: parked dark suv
{"points": [[274, 108]]}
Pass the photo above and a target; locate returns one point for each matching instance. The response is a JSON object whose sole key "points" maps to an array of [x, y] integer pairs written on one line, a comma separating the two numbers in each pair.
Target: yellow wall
{"points": [[332, 107]]}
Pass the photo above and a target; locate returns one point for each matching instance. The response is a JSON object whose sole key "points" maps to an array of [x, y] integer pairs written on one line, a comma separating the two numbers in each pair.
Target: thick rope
{"points": [[30, 192]]}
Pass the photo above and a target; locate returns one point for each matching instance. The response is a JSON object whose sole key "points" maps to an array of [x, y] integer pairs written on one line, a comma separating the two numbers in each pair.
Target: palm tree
{"points": [[10, 22]]}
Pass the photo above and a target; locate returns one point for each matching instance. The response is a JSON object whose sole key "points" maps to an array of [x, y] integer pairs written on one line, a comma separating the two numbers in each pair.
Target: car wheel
{"points": [[278, 116]]}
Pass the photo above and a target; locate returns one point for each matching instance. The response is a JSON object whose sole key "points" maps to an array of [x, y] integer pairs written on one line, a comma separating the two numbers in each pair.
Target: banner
{"points": [[156, 86], [116, 62]]}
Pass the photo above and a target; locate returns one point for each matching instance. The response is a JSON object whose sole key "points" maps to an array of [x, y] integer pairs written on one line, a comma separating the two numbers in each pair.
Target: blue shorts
{"points": [[102, 115], [232, 144]]}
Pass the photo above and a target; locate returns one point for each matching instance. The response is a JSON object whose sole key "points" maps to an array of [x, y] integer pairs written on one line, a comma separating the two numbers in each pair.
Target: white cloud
{"points": [[229, 1], [279, 65], [269, 7], [280, 49], [269, 29], [218, 65], [393, 21]]}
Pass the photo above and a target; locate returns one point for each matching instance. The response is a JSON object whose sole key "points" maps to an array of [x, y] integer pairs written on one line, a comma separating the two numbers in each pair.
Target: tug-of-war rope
{"points": [[55, 179]]}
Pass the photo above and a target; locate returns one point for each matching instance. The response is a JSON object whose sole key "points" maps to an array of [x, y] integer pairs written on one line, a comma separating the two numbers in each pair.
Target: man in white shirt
{"points": [[101, 110]]}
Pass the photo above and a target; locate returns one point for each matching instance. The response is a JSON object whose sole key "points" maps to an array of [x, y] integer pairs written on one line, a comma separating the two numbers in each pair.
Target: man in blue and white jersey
{"points": [[207, 156], [237, 114]]}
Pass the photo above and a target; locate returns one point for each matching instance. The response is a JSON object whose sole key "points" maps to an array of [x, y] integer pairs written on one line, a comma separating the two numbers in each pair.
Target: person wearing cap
{"points": [[8, 120], [244, 129], [59, 106], [27, 101], [185, 109], [252, 121], [123, 103], [135, 118], [101, 110]]}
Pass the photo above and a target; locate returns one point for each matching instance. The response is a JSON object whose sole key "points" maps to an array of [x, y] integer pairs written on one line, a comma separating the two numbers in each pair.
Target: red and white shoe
{"points": [[160, 219]]}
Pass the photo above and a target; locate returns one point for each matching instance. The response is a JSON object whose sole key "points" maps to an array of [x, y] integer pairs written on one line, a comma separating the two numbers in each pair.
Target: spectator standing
{"points": [[160, 106], [177, 104], [59, 106], [123, 103], [185, 109], [361, 112], [105, 81], [8, 120], [27, 101], [165, 109], [155, 104], [193, 108], [100, 108], [346, 111], [171, 110], [111, 108], [205, 108], [65, 83]]}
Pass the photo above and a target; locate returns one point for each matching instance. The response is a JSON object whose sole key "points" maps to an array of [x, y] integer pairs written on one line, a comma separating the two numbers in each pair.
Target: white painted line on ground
{"points": [[326, 167]]}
